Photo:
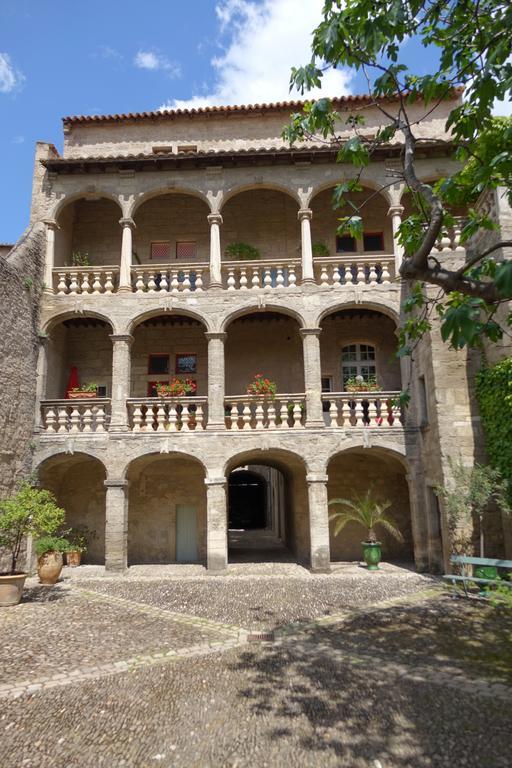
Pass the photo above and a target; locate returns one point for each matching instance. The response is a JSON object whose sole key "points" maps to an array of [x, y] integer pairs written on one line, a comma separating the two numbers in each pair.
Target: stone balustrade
{"points": [[354, 270], [166, 278], [450, 239], [266, 274], [176, 414], [362, 409], [93, 280], [246, 412], [75, 416]]}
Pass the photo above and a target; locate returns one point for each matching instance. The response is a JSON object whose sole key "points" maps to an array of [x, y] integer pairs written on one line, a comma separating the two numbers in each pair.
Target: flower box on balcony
{"points": [[177, 388], [86, 392]]}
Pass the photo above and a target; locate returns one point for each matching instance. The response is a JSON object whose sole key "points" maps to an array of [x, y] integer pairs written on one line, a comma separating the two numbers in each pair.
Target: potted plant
{"points": [[262, 386], [320, 249], [241, 252], [358, 384], [84, 392], [79, 259], [29, 512], [177, 387], [77, 539], [370, 513], [50, 550]]}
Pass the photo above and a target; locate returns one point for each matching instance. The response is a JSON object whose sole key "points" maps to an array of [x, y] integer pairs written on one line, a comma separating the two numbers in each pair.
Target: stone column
{"points": [[49, 260], [125, 275], [216, 380], [41, 374], [418, 522], [395, 211], [121, 381], [304, 215], [216, 524], [116, 525], [320, 557], [312, 376], [215, 220]]}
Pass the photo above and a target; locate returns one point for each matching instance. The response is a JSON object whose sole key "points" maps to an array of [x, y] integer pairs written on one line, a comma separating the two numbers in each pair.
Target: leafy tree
{"points": [[469, 46], [470, 495], [366, 511], [30, 511]]}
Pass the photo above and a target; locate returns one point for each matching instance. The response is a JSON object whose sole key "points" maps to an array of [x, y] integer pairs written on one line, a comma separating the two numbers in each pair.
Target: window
{"points": [[186, 363], [326, 387], [160, 250], [163, 149], [358, 360], [102, 390], [373, 241], [345, 244], [187, 148], [158, 364], [186, 251]]}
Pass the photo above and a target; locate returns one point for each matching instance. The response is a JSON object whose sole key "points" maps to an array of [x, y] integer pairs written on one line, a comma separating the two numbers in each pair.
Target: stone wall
{"points": [[20, 288]]}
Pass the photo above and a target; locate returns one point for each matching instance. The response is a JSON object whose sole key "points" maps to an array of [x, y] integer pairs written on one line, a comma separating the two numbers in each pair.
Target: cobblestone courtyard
{"points": [[381, 670]]}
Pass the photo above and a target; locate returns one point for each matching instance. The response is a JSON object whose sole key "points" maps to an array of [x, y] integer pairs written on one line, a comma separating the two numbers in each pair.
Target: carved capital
{"points": [[127, 222], [310, 332], [127, 338], [304, 213], [214, 218], [220, 335], [395, 210]]}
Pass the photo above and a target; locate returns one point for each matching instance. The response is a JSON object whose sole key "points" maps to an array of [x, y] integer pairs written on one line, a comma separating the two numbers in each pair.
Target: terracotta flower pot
{"points": [[82, 395], [73, 559], [11, 588], [49, 567]]}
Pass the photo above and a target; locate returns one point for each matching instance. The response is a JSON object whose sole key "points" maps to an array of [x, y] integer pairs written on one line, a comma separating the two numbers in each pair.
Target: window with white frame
{"points": [[358, 360]]}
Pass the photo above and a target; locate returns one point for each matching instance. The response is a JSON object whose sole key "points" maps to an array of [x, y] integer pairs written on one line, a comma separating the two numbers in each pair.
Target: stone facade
{"points": [[135, 265]]}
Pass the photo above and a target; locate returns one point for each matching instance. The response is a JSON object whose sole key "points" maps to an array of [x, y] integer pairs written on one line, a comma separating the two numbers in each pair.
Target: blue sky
{"points": [[104, 56]]}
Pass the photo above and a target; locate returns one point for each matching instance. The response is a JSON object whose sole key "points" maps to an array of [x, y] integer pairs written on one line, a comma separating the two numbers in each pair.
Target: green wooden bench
{"points": [[466, 577]]}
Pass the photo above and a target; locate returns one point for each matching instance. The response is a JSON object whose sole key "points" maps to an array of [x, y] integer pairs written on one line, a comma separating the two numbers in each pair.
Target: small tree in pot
{"points": [[30, 512], [370, 513]]}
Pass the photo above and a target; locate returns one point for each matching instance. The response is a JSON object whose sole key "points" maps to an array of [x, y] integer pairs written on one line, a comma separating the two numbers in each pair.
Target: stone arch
{"points": [[359, 340], [77, 480], [368, 183], [60, 317], [289, 505], [351, 473], [377, 303], [137, 320], [270, 306], [145, 197], [80, 342], [144, 453], [239, 189], [268, 343], [83, 194], [166, 508]]}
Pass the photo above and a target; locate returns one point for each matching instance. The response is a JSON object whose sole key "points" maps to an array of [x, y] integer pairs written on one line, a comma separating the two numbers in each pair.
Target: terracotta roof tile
{"points": [[240, 109]]}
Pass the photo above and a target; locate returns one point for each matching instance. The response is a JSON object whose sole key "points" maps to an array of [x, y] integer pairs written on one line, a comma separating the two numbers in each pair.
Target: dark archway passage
{"points": [[256, 515]]}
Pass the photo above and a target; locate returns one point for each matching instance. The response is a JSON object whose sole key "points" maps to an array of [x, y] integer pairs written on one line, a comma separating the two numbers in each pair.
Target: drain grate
{"points": [[260, 637]]}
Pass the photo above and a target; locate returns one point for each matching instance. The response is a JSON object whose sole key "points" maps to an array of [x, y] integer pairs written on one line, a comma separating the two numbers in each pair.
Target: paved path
{"points": [[97, 679]]}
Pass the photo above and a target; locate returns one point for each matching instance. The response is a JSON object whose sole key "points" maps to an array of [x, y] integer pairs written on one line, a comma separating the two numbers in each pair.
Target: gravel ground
{"points": [[56, 630], [262, 706], [265, 603]]}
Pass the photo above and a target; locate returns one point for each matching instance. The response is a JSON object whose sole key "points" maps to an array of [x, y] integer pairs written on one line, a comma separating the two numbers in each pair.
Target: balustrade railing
{"points": [[246, 412], [354, 270], [361, 409], [176, 414], [90, 280], [450, 239], [166, 278], [267, 274], [75, 416]]}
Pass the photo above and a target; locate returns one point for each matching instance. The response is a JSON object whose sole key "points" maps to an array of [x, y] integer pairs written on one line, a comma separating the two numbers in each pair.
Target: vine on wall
{"points": [[494, 395]]}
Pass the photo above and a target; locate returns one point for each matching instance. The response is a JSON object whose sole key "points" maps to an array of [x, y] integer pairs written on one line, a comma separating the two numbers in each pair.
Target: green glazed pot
{"points": [[371, 554], [485, 572]]}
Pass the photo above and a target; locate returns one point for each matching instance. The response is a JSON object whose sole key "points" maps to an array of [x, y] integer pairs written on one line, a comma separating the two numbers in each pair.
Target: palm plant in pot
{"points": [[370, 513], [29, 512]]}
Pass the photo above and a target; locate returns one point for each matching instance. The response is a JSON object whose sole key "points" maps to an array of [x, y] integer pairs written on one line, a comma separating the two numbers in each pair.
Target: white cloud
{"points": [[11, 79], [264, 40], [107, 52], [156, 61]]}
